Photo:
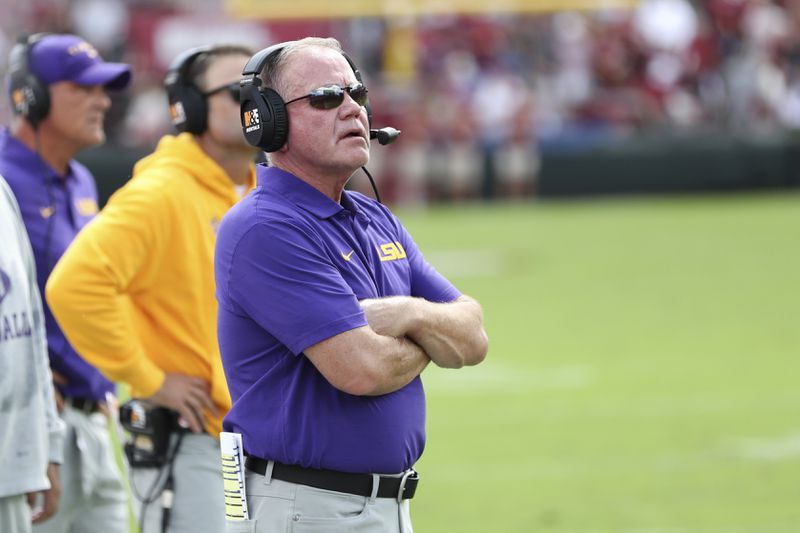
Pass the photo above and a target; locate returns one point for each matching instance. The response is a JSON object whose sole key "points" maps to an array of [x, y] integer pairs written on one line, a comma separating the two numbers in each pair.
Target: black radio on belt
{"points": [[150, 427]]}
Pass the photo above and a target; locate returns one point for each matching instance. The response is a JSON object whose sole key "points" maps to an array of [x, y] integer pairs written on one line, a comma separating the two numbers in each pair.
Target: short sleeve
{"points": [[282, 278], [426, 281]]}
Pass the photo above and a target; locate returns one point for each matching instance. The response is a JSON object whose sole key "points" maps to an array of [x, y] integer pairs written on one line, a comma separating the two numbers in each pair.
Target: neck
{"points": [[329, 184], [236, 162], [52, 149]]}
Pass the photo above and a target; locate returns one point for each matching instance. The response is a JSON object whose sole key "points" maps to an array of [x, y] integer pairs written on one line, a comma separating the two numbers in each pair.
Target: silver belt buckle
{"points": [[407, 474]]}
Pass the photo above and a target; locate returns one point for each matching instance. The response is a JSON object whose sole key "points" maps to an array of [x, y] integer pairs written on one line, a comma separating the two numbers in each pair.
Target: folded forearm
{"points": [[400, 361], [451, 334], [363, 363]]}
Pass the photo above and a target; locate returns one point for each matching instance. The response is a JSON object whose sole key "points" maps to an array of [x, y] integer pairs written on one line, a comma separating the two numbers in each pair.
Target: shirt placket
{"points": [[361, 243]]}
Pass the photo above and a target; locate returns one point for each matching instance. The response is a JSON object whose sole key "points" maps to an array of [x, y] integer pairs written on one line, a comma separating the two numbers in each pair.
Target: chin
{"points": [[95, 138], [362, 159]]}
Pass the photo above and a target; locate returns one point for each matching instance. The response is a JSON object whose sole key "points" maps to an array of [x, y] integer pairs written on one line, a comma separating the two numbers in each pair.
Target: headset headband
{"points": [[256, 63], [180, 66]]}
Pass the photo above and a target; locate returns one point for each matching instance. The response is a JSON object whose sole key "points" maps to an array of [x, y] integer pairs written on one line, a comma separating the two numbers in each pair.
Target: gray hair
{"points": [[272, 73]]}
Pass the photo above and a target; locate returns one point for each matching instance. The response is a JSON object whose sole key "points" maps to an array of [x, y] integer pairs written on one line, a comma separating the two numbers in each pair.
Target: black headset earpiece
{"points": [[265, 121], [30, 97], [187, 105]]}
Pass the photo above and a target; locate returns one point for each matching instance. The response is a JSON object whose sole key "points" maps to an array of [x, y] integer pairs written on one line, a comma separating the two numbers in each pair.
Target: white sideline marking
{"points": [[760, 528], [770, 449], [492, 377]]}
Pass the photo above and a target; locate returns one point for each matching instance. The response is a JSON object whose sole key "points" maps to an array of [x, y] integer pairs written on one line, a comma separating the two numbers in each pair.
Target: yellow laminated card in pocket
{"points": [[232, 454]]}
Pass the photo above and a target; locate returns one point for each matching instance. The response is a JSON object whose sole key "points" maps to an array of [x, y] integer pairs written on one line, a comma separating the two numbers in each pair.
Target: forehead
{"points": [[312, 67], [70, 87], [225, 69]]}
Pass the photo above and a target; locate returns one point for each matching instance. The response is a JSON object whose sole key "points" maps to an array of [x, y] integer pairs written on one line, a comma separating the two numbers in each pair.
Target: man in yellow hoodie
{"points": [[135, 291]]}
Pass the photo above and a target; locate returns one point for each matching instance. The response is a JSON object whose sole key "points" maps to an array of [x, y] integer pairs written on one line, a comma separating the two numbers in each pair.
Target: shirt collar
{"points": [[22, 156], [287, 185]]}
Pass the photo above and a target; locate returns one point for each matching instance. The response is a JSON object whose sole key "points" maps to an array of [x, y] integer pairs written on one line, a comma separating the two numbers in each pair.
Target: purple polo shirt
{"points": [[54, 209], [291, 265]]}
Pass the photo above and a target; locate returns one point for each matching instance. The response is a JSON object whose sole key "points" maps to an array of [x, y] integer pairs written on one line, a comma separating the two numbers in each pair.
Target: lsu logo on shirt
{"points": [[391, 251], [86, 206], [251, 119]]}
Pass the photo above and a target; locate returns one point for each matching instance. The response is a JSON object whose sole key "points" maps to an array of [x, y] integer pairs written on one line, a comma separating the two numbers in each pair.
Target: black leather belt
{"points": [[86, 405], [398, 487]]}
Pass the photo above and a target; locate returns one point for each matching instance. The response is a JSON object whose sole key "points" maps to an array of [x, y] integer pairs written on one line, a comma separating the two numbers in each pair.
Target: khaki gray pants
{"points": [[93, 497], [198, 504], [279, 506], [15, 514]]}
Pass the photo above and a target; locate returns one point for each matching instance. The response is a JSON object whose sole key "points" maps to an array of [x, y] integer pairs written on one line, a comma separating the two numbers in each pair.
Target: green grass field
{"points": [[643, 369]]}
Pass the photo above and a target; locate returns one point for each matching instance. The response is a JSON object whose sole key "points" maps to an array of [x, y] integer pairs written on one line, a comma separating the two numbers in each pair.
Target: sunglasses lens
{"points": [[332, 97], [327, 98], [359, 94]]}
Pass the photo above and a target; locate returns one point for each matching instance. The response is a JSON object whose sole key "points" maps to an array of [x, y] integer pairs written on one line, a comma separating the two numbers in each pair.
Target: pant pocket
{"points": [[322, 511], [240, 526]]}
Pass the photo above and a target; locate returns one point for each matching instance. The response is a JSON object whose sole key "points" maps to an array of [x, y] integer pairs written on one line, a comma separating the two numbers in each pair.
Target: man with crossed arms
{"points": [[328, 314]]}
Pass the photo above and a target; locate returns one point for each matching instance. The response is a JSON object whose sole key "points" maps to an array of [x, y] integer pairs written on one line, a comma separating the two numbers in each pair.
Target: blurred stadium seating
{"points": [[496, 104]]}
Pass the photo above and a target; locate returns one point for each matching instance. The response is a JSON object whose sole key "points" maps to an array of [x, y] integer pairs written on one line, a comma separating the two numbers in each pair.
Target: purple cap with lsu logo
{"points": [[60, 57]]}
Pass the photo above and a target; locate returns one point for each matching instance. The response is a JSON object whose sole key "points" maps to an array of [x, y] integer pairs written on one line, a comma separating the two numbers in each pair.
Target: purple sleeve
{"points": [[426, 281], [283, 279]]}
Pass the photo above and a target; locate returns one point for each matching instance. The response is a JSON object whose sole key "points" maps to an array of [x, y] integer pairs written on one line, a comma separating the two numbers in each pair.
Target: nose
{"points": [[100, 95], [349, 106]]}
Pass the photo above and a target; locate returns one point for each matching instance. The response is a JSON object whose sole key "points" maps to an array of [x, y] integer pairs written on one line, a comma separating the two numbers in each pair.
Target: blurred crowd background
{"points": [[480, 98]]}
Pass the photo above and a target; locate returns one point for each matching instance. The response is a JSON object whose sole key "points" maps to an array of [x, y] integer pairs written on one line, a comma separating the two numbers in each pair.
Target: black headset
{"points": [[265, 122], [30, 96], [187, 105]]}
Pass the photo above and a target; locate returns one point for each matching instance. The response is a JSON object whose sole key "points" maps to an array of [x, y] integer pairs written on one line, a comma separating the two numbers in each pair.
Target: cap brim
{"points": [[110, 75]]}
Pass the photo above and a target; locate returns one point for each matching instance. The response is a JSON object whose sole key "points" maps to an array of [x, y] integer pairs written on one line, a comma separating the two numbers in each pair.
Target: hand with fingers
{"points": [[188, 396], [51, 496]]}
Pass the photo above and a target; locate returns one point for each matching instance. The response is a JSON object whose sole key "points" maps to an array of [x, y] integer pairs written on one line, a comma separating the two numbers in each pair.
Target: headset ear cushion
{"points": [[41, 96], [29, 97], [252, 112], [280, 120], [265, 123], [195, 114]]}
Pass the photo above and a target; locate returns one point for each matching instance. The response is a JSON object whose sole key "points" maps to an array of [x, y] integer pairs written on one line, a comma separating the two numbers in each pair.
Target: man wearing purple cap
{"points": [[57, 86]]}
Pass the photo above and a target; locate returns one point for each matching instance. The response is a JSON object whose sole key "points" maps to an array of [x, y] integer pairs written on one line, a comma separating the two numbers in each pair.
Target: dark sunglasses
{"points": [[231, 88], [332, 96]]}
